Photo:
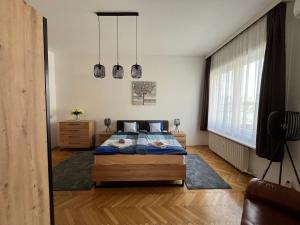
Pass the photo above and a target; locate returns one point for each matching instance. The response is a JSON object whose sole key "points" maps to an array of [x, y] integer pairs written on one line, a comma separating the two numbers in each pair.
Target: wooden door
{"points": [[24, 185]]}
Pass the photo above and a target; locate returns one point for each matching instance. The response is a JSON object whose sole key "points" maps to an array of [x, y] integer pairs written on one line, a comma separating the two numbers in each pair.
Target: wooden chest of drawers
{"points": [[77, 134], [180, 136]]}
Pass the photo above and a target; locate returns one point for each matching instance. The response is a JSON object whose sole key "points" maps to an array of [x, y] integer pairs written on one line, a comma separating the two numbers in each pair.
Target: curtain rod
{"points": [[252, 21]]}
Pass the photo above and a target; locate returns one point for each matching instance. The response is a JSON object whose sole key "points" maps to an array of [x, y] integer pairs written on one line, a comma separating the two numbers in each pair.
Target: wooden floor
{"points": [[155, 205]]}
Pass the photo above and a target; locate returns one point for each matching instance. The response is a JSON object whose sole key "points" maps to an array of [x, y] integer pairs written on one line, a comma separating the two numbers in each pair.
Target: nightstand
{"points": [[103, 136], [180, 136], [77, 133]]}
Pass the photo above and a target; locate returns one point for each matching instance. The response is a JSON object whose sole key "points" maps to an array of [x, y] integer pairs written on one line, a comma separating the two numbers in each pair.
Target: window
{"points": [[235, 78]]}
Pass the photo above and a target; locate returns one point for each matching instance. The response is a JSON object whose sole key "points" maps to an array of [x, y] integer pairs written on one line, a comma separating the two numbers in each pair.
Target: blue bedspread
{"points": [[173, 148], [141, 144], [106, 149]]}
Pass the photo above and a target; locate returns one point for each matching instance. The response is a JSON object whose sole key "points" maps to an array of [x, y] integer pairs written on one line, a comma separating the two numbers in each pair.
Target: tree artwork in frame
{"points": [[143, 92]]}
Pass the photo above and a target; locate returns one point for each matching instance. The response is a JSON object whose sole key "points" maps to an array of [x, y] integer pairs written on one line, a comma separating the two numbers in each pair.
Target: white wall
{"points": [[178, 91], [52, 90], [258, 165]]}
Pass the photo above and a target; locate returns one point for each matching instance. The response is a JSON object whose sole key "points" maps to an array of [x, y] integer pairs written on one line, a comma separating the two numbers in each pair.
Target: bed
{"points": [[140, 161]]}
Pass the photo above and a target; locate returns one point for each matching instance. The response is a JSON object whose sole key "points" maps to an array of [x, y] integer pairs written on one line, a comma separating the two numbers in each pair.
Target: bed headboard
{"points": [[143, 124]]}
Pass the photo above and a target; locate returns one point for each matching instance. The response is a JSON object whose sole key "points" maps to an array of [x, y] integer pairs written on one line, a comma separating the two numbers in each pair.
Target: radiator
{"points": [[233, 152]]}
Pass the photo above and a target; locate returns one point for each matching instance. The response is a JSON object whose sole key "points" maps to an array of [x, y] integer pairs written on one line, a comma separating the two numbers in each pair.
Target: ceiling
{"points": [[165, 27]]}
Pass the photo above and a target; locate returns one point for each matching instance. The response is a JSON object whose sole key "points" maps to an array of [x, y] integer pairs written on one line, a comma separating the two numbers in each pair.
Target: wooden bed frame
{"points": [[108, 168]]}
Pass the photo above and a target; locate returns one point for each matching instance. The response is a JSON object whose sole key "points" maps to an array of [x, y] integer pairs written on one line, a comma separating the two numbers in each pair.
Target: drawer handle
{"points": [[75, 130], [67, 130]]}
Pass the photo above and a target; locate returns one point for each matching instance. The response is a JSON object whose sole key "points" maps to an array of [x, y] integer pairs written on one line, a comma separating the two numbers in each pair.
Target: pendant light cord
{"points": [[99, 37], [136, 46], [117, 40]]}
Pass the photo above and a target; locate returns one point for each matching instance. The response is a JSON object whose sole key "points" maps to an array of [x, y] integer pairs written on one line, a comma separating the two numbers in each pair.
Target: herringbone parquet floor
{"points": [[155, 205]]}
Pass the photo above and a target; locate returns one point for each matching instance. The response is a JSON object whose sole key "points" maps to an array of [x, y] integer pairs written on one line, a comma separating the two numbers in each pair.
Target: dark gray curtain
{"points": [[205, 96], [272, 93]]}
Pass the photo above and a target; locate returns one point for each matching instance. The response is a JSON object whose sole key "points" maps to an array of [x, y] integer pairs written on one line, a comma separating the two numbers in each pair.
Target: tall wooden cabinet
{"points": [[24, 180]]}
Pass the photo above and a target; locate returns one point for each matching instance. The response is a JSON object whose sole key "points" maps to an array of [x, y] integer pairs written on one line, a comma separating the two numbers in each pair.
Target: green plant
{"points": [[77, 111]]}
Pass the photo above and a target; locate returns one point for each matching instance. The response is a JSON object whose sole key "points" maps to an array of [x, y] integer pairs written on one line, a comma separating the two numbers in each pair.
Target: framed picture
{"points": [[143, 92]]}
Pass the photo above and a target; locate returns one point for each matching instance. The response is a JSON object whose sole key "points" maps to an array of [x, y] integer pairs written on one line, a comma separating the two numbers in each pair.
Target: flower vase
{"points": [[77, 116]]}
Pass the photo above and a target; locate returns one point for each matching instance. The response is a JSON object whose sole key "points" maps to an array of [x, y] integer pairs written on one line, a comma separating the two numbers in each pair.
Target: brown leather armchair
{"points": [[270, 204]]}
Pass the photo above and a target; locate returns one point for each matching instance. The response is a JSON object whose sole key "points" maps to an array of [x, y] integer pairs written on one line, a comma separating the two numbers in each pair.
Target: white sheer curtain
{"points": [[235, 85]]}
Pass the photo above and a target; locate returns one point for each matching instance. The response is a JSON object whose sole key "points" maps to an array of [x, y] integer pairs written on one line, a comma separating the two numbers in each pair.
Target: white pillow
{"points": [[130, 127], [155, 127]]}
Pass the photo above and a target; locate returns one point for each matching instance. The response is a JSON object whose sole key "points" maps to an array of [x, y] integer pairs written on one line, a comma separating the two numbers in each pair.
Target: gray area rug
{"points": [[75, 173], [201, 176]]}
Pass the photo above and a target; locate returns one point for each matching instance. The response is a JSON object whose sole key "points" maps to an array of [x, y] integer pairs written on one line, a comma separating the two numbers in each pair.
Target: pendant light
{"points": [[118, 71], [136, 70], [99, 70]]}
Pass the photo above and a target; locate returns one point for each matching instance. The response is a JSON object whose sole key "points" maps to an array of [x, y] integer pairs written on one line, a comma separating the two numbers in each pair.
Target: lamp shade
{"points": [[99, 71], [136, 71], [118, 72], [176, 122], [107, 122]]}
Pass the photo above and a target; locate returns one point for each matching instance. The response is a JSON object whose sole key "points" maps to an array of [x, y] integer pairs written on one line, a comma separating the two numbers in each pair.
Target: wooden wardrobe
{"points": [[24, 177]]}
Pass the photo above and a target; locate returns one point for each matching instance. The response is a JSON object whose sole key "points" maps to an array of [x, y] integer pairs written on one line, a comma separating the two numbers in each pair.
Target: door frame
{"points": [[47, 102]]}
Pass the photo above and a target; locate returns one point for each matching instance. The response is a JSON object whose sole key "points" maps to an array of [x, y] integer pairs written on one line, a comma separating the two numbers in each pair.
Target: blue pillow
{"points": [[130, 127], [155, 127]]}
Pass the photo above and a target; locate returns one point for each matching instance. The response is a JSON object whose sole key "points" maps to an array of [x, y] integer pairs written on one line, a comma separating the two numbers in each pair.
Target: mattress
{"points": [[141, 144]]}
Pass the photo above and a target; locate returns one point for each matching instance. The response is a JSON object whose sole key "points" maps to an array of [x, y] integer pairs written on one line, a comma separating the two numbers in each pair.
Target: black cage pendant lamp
{"points": [[118, 71], [99, 70], [136, 69]]}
